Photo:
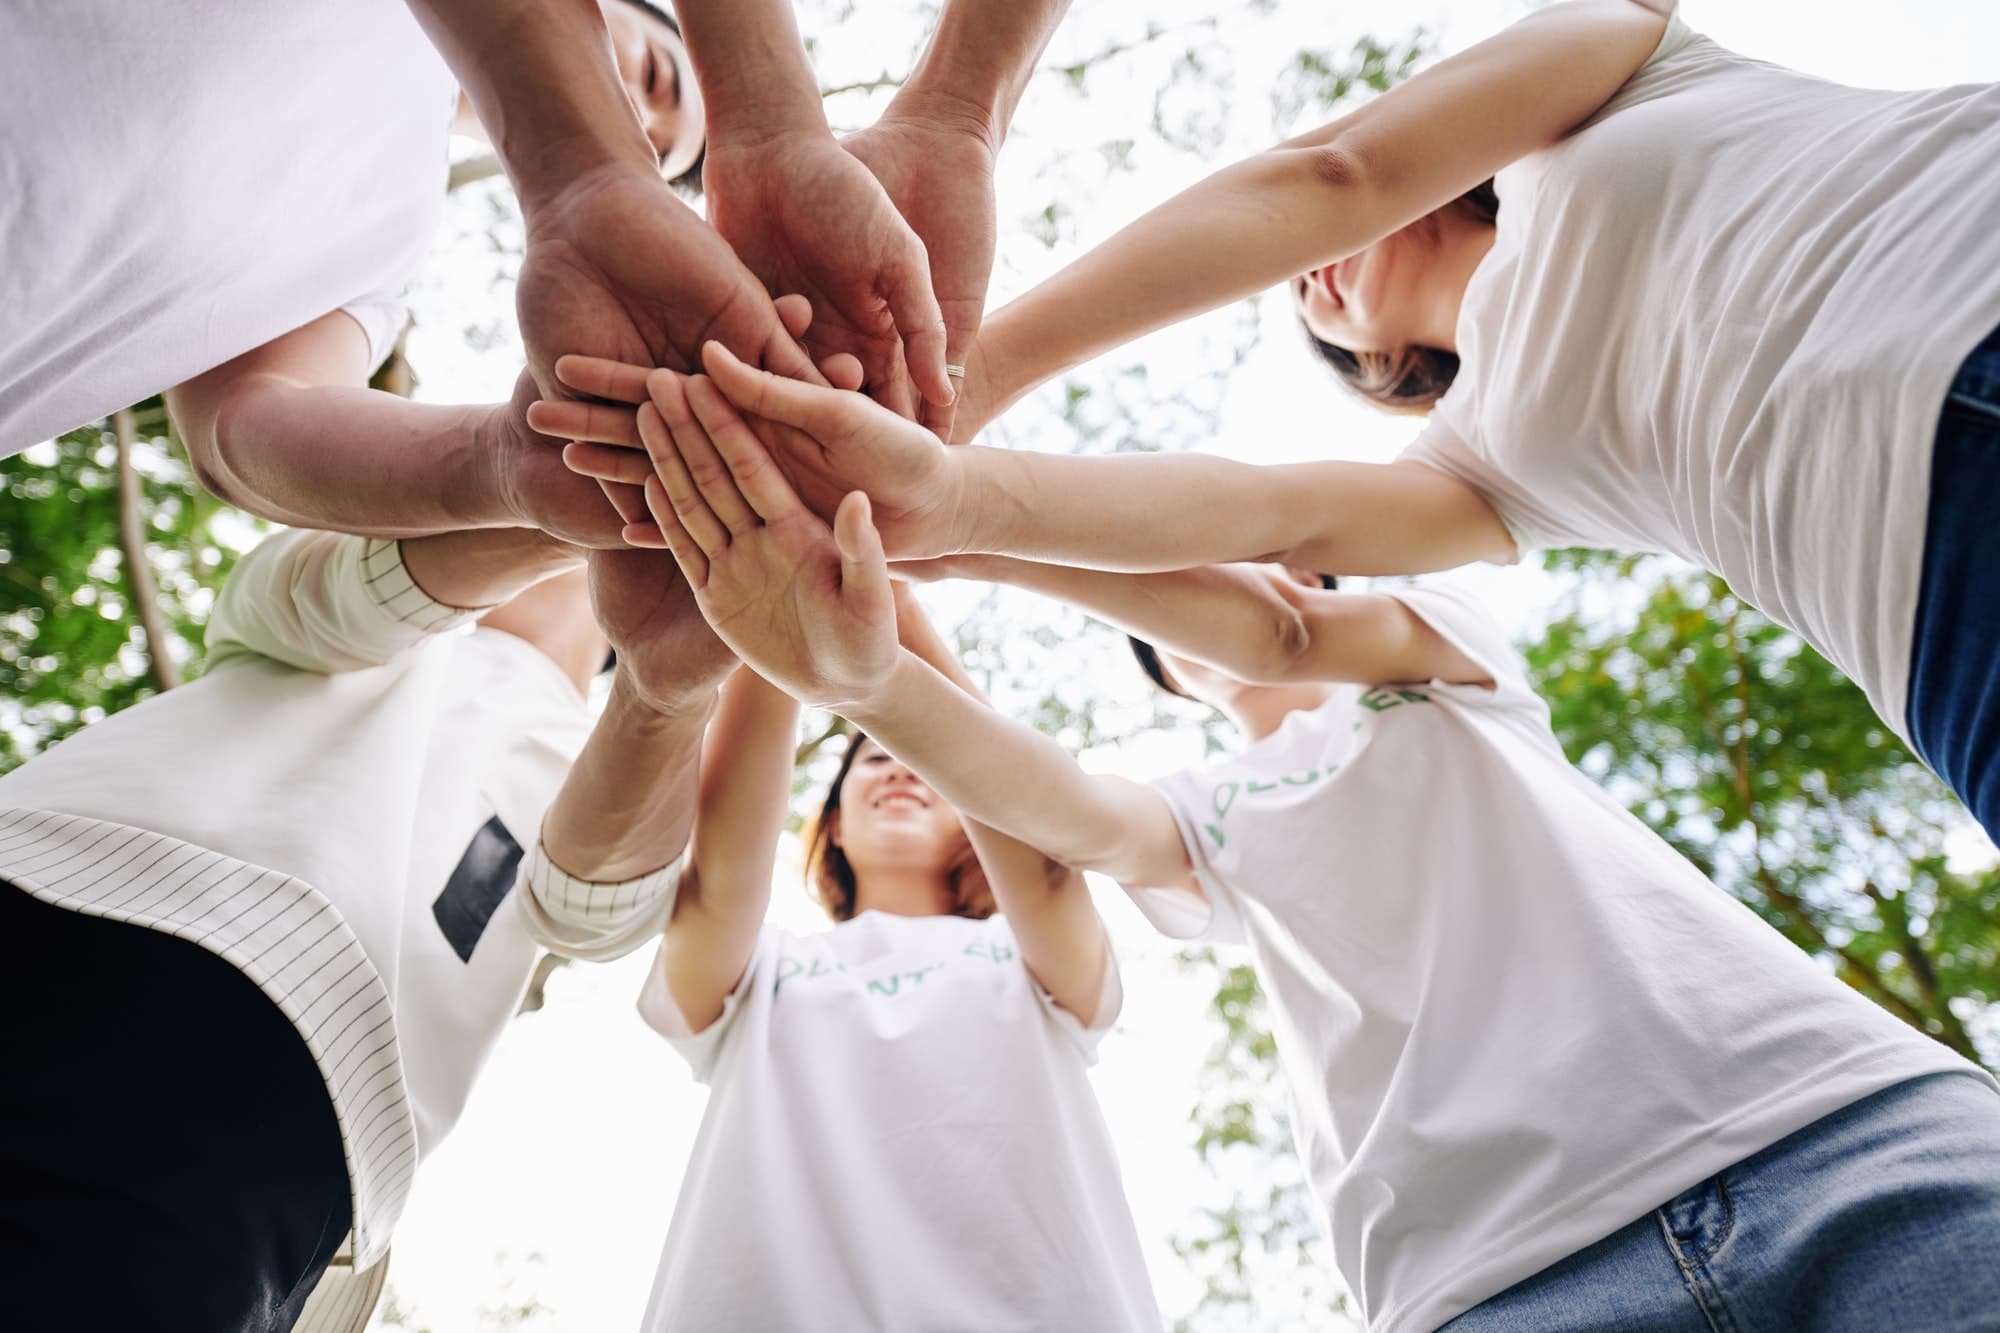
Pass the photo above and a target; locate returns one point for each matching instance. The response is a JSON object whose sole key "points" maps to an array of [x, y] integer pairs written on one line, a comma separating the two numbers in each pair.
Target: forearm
{"points": [[352, 459], [485, 566], [541, 77], [752, 68], [1248, 227], [1013, 778], [978, 64], [629, 800], [1226, 617], [1149, 512]]}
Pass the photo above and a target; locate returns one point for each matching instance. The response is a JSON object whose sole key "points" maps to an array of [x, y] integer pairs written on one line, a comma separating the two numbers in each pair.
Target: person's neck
{"points": [[903, 893], [1464, 242], [1260, 710]]}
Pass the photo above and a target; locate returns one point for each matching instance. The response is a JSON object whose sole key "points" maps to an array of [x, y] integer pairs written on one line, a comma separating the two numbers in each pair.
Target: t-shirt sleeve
{"points": [[325, 601], [1456, 614], [1207, 910], [1442, 447], [704, 1048], [1110, 1001], [382, 317], [589, 920]]}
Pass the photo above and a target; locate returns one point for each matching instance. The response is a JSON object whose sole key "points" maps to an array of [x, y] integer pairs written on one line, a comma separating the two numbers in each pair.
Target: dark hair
{"points": [[1409, 379], [689, 181], [1156, 671], [827, 870]]}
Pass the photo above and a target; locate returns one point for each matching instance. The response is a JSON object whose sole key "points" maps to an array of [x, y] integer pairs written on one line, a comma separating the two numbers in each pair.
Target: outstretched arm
{"points": [[1046, 903], [1134, 512], [1324, 195], [1253, 621], [291, 432]]}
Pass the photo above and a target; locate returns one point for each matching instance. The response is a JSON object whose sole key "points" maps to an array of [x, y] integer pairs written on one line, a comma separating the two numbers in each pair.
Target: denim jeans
{"points": [[1883, 1215], [1954, 703]]}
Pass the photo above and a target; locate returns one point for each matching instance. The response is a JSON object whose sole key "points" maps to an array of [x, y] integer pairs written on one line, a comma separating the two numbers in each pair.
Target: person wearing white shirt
{"points": [[1545, 1075], [1660, 296], [275, 919], [901, 1133]]}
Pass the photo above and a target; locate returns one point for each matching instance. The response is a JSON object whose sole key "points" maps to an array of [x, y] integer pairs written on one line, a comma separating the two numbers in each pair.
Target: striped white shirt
{"points": [[339, 807]]}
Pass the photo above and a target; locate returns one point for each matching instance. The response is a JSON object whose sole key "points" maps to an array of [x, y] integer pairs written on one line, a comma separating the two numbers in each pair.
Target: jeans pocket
{"points": [[1697, 1222]]}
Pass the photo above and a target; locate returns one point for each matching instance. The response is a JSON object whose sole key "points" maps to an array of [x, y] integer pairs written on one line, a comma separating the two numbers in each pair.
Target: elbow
{"points": [[1283, 648], [1335, 166], [205, 434]]}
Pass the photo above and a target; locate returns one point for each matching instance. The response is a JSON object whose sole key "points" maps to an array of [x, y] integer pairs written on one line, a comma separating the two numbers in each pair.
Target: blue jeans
{"points": [[1954, 705], [1883, 1215]]}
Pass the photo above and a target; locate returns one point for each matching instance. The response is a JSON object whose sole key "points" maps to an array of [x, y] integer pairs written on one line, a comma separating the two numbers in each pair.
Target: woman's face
{"points": [[659, 82], [1368, 302], [888, 818]]}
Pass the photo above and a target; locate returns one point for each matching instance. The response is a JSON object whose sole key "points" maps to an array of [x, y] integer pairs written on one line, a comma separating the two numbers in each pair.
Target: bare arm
{"points": [[1324, 195], [1250, 621], [1134, 512], [1047, 904], [290, 431]]}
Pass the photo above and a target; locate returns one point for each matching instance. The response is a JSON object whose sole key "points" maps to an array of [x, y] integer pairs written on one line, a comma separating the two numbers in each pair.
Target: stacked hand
{"points": [[825, 441], [807, 606]]}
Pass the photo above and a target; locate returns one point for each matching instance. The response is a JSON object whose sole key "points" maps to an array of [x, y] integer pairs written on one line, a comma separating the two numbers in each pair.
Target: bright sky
{"points": [[579, 1132]]}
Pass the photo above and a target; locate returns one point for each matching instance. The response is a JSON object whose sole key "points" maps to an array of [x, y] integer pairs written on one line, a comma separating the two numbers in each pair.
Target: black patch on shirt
{"points": [[477, 887]]}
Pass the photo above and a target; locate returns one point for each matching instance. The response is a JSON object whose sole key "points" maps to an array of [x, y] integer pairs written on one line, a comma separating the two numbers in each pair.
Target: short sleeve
{"points": [[704, 1048], [382, 317], [1210, 913], [1110, 1001], [1442, 447], [1456, 614]]}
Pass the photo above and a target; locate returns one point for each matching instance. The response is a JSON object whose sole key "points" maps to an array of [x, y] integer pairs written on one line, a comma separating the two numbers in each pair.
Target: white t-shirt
{"points": [[1720, 321], [901, 1135], [249, 167], [339, 806], [1511, 1018]]}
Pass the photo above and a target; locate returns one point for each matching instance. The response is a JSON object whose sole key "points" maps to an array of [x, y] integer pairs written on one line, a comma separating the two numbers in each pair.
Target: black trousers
{"points": [[169, 1158]]}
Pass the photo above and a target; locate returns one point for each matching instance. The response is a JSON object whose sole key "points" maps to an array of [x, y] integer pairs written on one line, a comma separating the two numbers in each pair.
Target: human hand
{"points": [[666, 651], [806, 216], [535, 485], [939, 174], [810, 609], [604, 415], [617, 266], [827, 442]]}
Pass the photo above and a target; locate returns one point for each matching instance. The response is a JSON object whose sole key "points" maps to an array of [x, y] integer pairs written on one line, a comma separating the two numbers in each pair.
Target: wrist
{"points": [[644, 712], [867, 707], [929, 101], [987, 509]]}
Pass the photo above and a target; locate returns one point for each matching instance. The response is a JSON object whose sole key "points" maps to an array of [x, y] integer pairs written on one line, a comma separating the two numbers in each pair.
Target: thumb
{"points": [[864, 571]]}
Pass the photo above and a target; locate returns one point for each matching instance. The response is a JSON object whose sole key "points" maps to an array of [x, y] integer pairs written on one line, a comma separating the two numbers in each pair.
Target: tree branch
{"points": [[139, 585]]}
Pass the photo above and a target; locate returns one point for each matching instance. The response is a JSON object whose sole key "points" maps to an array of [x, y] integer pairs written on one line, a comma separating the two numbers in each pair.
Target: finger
{"points": [[645, 534], [687, 552], [812, 408], [629, 467], [574, 419], [864, 571], [626, 499], [694, 437], [907, 288], [959, 334], [753, 478], [795, 312], [842, 371], [702, 526], [599, 378]]}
